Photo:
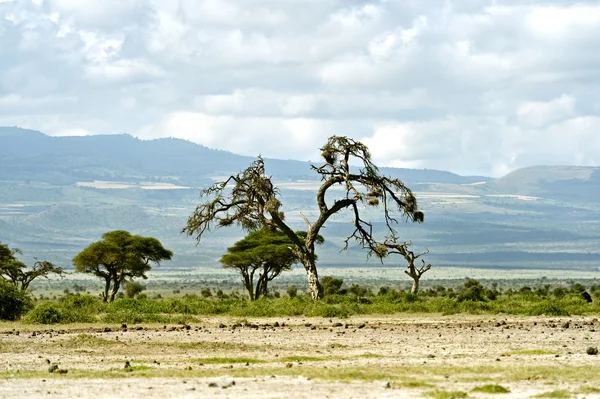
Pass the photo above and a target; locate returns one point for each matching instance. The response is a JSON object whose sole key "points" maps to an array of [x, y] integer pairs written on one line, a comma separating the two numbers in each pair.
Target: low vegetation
{"points": [[473, 298]]}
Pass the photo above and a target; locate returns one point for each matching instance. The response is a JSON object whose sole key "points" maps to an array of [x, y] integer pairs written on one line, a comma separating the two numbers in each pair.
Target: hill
{"points": [[58, 194]]}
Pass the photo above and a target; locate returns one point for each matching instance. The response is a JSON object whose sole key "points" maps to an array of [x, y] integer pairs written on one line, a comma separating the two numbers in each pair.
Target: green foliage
{"points": [[292, 291], [14, 271], [260, 257], [86, 308], [331, 285], [13, 301], [120, 257], [133, 289], [49, 313]]}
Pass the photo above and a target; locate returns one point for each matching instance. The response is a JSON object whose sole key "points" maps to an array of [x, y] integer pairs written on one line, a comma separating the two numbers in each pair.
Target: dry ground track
{"points": [[399, 356]]}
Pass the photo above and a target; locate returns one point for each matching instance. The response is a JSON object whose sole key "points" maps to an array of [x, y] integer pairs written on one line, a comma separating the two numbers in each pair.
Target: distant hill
{"points": [[32, 155], [537, 217], [569, 183]]}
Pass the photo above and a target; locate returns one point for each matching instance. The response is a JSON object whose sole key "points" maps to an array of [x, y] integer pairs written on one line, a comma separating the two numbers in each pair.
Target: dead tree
{"points": [[415, 272], [250, 200]]}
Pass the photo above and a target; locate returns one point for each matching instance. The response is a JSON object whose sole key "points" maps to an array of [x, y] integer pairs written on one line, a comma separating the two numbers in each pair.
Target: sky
{"points": [[470, 86]]}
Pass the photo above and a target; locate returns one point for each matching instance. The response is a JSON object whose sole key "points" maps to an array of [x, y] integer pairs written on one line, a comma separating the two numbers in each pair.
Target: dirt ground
{"points": [[360, 357]]}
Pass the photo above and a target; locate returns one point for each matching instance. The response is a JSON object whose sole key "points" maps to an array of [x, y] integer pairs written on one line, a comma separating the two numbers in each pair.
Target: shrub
{"points": [[292, 291], [206, 292], [133, 289], [13, 301], [473, 291], [331, 285], [48, 313]]}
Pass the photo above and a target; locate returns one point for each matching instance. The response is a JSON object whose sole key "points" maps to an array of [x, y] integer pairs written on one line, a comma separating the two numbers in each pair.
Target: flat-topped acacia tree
{"points": [[250, 200], [118, 258]]}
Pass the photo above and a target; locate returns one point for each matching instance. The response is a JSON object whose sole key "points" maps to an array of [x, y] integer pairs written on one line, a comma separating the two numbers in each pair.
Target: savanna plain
{"points": [[347, 351]]}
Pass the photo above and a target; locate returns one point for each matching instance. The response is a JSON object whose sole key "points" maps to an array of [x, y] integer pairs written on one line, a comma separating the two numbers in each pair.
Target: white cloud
{"points": [[471, 86]]}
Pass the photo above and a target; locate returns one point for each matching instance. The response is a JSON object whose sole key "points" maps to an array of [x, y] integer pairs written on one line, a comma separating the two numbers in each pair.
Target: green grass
{"points": [[557, 394], [586, 390], [446, 394], [229, 360], [531, 352], [86, 308], [491, 388]]}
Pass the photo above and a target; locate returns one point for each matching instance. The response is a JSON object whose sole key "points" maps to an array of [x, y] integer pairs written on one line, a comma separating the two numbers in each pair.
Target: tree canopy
{"points": [[15, 271], [251, 201], [263, 254], [119, 257]]}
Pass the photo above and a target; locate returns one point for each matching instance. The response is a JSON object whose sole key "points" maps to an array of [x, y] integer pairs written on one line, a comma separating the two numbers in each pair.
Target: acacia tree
{"points": [[264, 254], [120, 257], [391, 246], [250, 200], [15, 271]]}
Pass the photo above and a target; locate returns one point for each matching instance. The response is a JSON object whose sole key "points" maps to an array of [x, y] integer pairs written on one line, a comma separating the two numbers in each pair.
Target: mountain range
{"points": [[58, 194]]}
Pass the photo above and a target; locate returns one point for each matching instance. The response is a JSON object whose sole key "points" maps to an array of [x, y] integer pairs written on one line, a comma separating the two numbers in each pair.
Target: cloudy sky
{"points": [[471, 86]]}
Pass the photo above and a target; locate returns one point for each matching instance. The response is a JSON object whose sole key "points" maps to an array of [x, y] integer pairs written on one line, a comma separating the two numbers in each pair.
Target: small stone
{"points": [[127, 367], [288, 365], [387, 385], [592, 350], [53, 368], [212, 385]]}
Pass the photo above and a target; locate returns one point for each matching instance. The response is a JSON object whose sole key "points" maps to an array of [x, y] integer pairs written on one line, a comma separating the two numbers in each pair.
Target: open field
{"points": [[359, 357]]}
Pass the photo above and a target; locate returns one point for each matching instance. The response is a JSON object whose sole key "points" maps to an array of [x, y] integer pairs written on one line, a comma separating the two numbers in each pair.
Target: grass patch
{"points": [[557, 394], [87, 341], [212, 346], [229, 360], [415, 384], [530, 352], [586, 390], [303, 359], [491, 388], [446, 394]]}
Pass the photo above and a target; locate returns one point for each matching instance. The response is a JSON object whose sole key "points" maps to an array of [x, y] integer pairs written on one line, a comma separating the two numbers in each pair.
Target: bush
{"points": [[49, 313], [133, 289], [331, 285], [473, 291], [292, 291], [13, 301]]}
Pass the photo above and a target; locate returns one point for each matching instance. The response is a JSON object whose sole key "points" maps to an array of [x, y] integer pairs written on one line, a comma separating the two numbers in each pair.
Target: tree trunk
{"points": [[415, 286], [106, 289], [114, 291], [314, 287]]}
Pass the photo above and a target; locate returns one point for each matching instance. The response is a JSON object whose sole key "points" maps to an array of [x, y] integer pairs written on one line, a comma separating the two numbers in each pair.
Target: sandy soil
{"points": [[361, 357]]}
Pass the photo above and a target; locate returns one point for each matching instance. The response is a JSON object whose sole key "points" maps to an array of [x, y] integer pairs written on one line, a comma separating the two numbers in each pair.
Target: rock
{"points": [[288, 365], [387, 385], [61, 371], [592, 350], [52, 368], [363, 325], [123, 325], [127, 367], [587, 297], [212, 385]]}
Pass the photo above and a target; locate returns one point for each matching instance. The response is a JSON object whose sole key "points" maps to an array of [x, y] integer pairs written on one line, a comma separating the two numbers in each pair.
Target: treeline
{"points": [[472, 298]]}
